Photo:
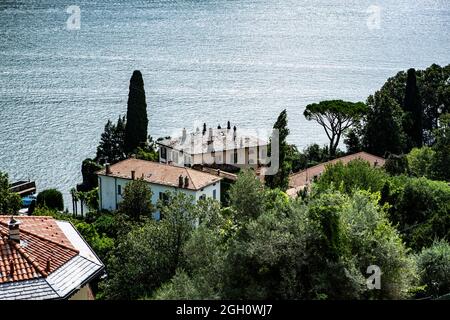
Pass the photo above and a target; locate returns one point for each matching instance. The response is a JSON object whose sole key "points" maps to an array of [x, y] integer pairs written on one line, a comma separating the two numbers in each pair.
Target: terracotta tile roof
{"points": [[159, 173], [43, 248], [304, 177]]}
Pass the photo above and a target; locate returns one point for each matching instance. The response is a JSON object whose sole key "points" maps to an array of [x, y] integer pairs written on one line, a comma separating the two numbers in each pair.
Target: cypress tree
{"points": [[281, 178], [137, 121], [412, 106]]}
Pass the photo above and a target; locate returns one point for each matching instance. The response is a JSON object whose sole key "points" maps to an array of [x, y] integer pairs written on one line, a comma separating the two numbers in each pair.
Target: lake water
{"points": [[202, 61]]}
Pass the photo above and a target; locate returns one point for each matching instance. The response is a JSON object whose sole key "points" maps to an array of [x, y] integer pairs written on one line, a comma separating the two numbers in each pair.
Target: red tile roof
{"points": [[42, 250]]}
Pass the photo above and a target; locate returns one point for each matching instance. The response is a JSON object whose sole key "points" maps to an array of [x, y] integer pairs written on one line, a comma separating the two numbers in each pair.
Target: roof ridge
{"points": [[46, 239], [187, 172]]}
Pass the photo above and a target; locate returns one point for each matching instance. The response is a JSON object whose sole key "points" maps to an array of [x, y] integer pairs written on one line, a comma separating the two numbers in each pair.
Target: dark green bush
{"points": [[434, 268], [51, 198]]}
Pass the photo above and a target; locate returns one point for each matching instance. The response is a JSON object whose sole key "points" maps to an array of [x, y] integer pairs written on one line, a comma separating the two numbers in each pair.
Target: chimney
{"points": [[48, 266], [14, 230], [133, 174], [108, 168], [204, 129], [180, 181], [228, 125], [183, 137], [186, 182], [219, 127], [234, 133], [210, 135]]}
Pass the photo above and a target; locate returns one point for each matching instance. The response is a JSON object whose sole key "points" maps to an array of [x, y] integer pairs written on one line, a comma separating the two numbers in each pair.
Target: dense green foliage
{"points": [[382, 133], [434, 93], [150, 252], [112, 142], [420, 207], [352, 141], [137, 121], [50, 198], [247, 204], [420, 161], [335, 116], [441, 160], [10, 202], [408, 108], [292, 250], [356, 175], [434, 268], [137, 200], [396, 164]]}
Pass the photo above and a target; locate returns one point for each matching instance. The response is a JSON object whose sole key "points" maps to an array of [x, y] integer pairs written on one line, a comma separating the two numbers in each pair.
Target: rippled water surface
{"points": [[202, 61]]}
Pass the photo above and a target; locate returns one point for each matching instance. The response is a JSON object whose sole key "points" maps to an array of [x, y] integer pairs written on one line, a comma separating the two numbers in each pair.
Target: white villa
{"points": [[230, 146], [160, 177]]}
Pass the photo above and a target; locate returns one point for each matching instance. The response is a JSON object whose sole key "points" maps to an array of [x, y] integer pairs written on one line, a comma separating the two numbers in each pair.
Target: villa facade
{"points": [[161, 179], [230, 146]]}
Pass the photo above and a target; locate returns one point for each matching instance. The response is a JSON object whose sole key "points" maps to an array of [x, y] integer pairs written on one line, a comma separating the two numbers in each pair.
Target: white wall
{"points": [[108, 192], [174, 157], [246, 157]]}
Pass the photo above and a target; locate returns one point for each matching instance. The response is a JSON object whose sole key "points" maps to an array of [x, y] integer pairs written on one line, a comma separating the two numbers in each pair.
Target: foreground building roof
{"points": [[50, 260], [159, 173]]}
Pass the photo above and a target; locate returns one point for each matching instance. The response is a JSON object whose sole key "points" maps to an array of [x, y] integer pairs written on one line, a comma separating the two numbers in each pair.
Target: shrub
{"points": [[420, 161], [50, 198], [434, 268], [137, 200], [10, 202], [420, 207], [357, 174]]}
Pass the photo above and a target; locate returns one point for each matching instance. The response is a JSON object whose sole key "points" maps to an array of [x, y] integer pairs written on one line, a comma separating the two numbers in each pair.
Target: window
{"points": [[214, 194], [163, 153], [163, 197], [203, 197], [187, 160], [119, 190], [235, 156]]}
